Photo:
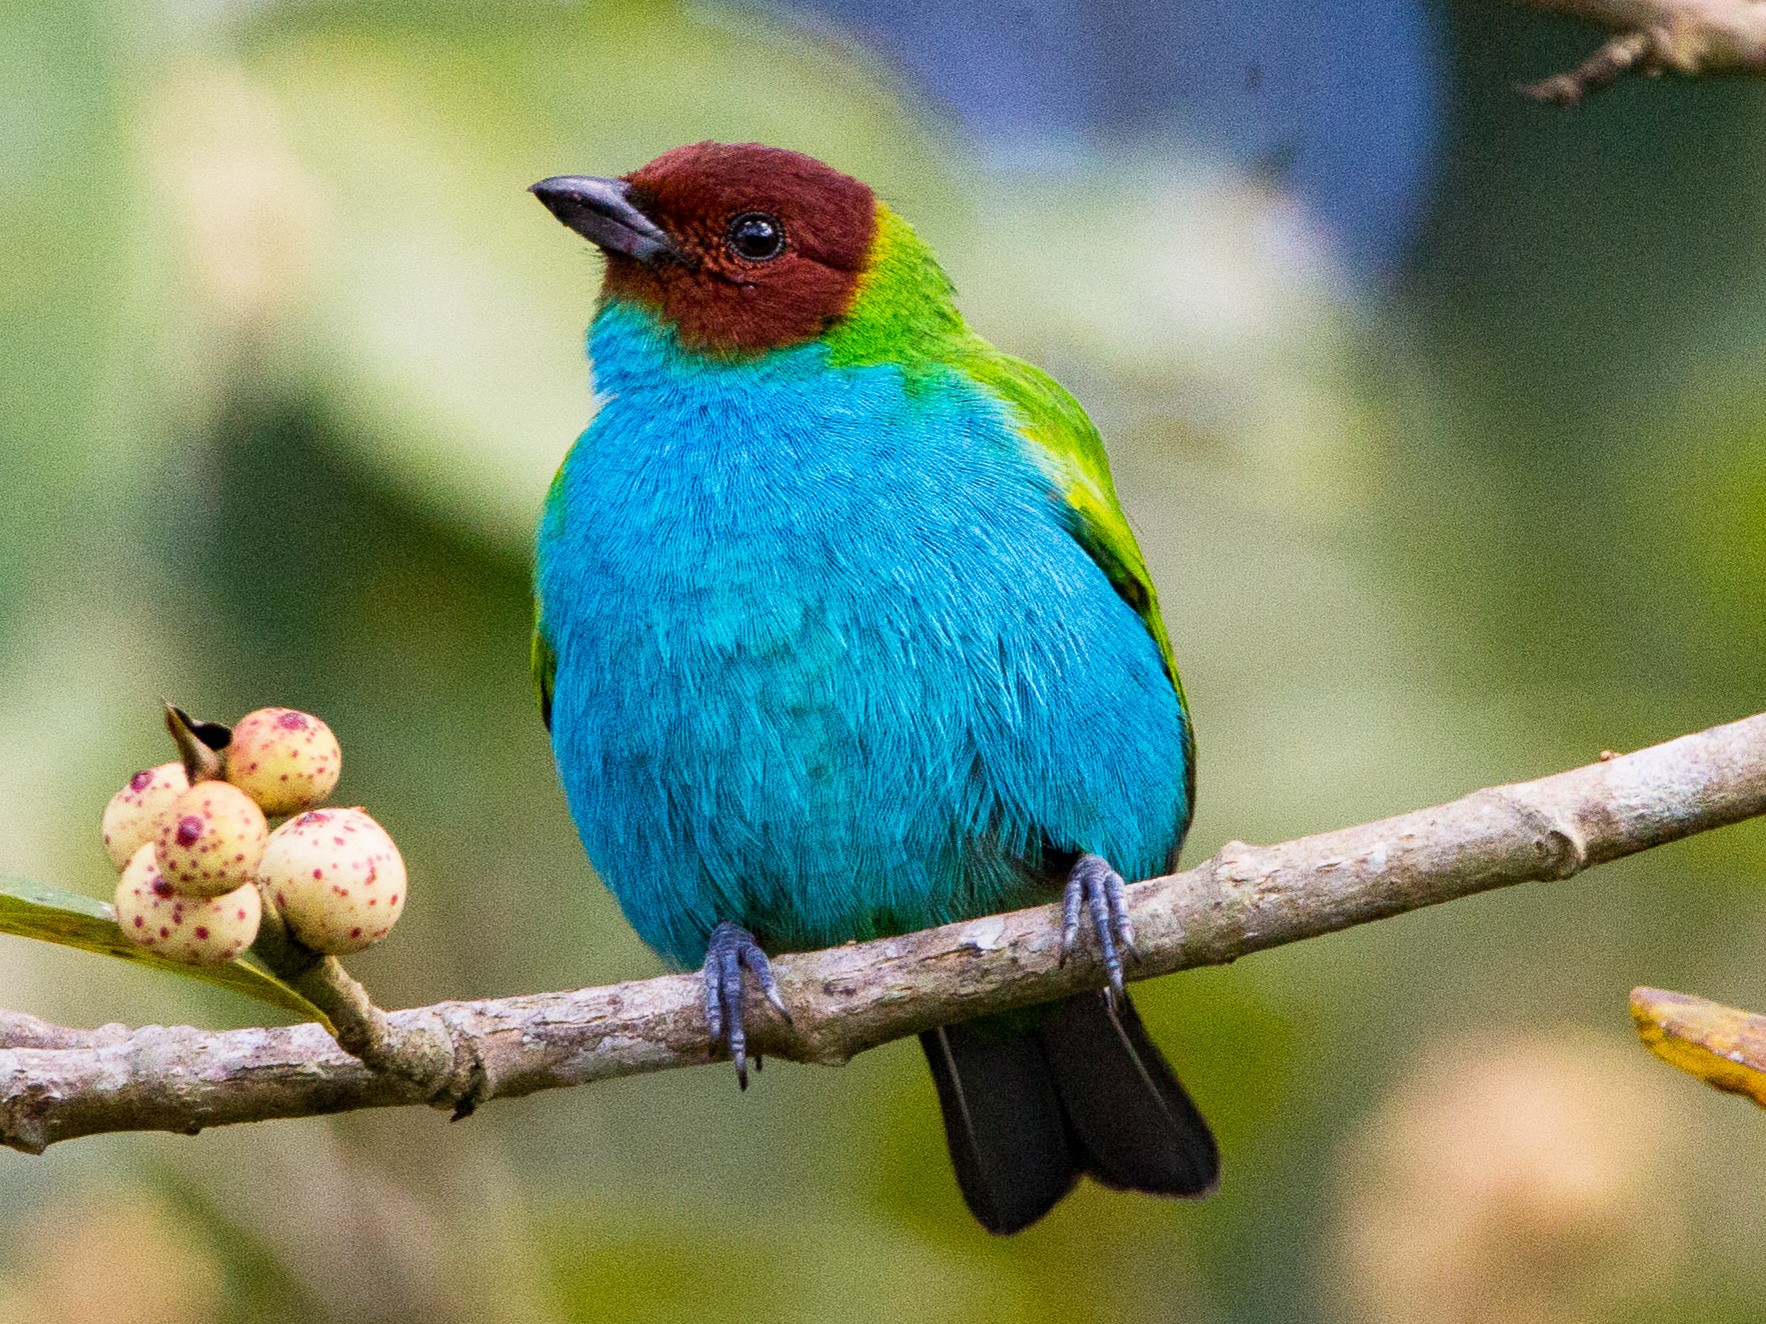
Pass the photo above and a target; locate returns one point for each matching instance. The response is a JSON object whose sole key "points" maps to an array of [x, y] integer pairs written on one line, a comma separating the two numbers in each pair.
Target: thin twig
{"points": [[848, 999], [1690, 37]]}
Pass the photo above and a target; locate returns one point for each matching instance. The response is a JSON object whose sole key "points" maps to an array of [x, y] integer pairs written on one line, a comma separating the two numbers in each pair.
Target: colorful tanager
{"points": [[842, 633]]}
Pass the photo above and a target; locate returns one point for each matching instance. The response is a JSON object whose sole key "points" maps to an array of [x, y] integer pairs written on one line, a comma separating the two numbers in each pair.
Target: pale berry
{"points": [[211, 840], [133, 814], [287, 761], [195, 930], [337, 878]]}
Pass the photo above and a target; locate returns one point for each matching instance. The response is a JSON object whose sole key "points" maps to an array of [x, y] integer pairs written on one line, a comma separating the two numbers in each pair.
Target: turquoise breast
{"points": [[828, 663]]}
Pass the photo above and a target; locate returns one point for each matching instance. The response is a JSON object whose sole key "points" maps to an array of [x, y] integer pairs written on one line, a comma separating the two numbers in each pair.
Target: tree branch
{"points": [[1658, 36], [56, 1084]]}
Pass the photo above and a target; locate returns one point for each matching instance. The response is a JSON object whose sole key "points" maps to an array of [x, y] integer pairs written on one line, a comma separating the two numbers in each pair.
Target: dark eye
{"points": [[756, 237]]}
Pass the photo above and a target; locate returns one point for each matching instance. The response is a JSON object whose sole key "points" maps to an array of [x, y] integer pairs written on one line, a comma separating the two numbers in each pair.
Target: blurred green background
{"points": [[287, 357]]}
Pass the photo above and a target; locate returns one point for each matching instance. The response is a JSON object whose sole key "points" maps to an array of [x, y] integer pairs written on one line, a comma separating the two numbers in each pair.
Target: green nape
{"points": [[903, 311]]}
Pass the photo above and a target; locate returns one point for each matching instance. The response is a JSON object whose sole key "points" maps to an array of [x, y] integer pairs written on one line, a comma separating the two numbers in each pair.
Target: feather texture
{"points": [[1003, 1124], [1080, 1089], [829, 662], [826, 656]]}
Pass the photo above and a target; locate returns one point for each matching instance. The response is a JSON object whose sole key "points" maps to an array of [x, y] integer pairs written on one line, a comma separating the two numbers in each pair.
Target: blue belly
{"points": [[828, 663]]}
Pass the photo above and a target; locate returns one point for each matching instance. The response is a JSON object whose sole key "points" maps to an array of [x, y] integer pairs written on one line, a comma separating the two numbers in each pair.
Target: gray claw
{"points": [[714, 999], [1071, 899], [1117, 892], [763, 975], [1097, 888], [731, 950]]}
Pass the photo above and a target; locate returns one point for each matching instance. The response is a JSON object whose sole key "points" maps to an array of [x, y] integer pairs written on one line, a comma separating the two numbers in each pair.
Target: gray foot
{"points": [[1099, 890], [731, 950]]}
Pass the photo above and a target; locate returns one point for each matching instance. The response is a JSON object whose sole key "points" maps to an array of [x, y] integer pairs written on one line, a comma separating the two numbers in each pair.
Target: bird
{"points": [[841, 632]]}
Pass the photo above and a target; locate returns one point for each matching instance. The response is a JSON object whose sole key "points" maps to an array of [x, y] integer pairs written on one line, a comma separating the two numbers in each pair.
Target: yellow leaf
{"points": [[1722, 1046]]}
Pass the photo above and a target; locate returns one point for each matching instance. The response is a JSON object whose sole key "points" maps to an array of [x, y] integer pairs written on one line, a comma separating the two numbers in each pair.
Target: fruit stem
{"points": [[287, 957], [200, 744], [424, 1056]]}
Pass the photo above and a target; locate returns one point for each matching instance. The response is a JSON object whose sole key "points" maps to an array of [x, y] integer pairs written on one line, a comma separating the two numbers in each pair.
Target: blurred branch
{"points": [[1723, 1046], [57, 1084], [1657, 36]]}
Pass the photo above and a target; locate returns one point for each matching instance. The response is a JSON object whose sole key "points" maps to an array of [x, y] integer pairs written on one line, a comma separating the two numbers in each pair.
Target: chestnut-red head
{"points": [[741, 247]]}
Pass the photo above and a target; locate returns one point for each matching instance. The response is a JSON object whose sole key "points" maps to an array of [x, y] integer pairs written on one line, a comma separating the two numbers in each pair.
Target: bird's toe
{"points": [[731, 950], [1098, 891]]}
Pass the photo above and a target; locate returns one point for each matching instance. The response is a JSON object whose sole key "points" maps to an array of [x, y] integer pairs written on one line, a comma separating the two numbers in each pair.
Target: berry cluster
{"points": [[199, 862]]}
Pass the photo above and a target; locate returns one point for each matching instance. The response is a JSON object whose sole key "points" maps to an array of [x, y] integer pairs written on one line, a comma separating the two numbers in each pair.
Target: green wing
{"points": [[1067, 446], [541, 657], [545, 667]]}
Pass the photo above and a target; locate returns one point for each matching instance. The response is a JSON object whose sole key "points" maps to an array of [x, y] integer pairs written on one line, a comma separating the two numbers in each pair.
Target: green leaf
{"points": [[52, 914]]}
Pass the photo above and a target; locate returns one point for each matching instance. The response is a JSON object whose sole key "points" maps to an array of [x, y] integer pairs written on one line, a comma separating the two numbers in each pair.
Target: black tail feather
{"points": [[1007, 1135], [1027, 1108], [1133, 1125]]}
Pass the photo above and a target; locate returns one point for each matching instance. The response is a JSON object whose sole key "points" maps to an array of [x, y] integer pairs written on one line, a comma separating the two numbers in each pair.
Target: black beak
{"points": [[602, 211]]}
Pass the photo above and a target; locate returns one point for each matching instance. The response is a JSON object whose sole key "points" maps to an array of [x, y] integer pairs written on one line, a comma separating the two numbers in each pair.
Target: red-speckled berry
{"points": [[285, 760], [336, 877], [211, 840], [197, 930], [133, 814]]}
